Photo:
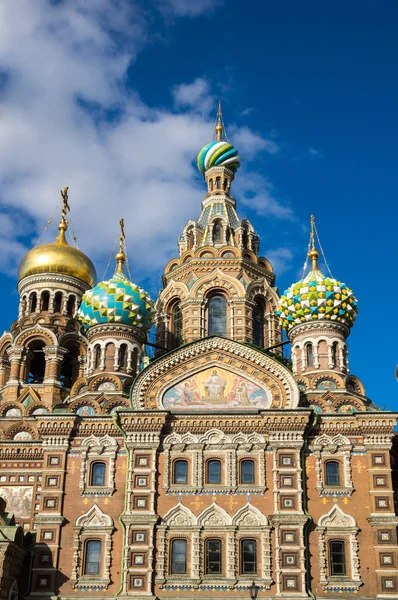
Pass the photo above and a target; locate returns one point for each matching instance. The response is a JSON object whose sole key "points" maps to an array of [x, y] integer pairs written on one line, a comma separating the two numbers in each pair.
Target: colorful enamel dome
{"points": [[317, 297], [218, 154], [117, 301]]}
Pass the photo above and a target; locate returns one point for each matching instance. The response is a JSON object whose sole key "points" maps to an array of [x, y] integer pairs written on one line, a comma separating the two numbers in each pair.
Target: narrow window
{"points": [[334, 354], [45, 301], [218, 183], [210, 185], [98, 473], [337, 558], [217, 316], [213, 471], [217, 232], [97, 357], [248, 553], [332, 471], [70, 307], [213, 557], [178, 557], [180, 473], [93, 557], [57, 302], [258, 325], [177, 325], [310, 355], [33, 302], [122, 356], [247, 471]]}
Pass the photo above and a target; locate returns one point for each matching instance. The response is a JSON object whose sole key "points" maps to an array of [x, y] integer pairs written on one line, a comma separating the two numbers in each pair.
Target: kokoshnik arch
{"points": [[213, 465]]}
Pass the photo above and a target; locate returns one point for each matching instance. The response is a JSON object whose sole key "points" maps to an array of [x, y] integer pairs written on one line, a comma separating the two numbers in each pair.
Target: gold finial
{"points": [[120, 256], [63, 224], [219, 126], [313, 253]]}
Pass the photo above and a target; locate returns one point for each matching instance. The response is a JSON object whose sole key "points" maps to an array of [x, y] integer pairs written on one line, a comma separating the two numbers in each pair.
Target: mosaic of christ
{"points": [[216, 388]]}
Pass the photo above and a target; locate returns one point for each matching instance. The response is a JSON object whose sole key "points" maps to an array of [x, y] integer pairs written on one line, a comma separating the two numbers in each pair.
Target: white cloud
{"points": [[195, 96], [281, 259], [249, 143], [66, 65], [188, 8], [254, 190]]}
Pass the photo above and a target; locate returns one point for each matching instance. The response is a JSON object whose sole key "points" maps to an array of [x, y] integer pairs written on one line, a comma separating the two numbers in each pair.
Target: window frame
{"points": [[309, 354], [214, 461], [212, 316], [332, 561], [244, 571], [173, 542], [175, 463], [241, 478], [87, 542], [94, 464], [207, 571], [327, 482]]}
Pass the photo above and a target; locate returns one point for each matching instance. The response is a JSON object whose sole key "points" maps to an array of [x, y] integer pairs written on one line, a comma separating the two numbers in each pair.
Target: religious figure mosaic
{"points": [[18, 500], [216, 388]]}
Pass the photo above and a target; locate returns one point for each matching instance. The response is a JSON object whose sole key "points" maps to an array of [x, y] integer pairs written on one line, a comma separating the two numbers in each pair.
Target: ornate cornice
{"points": [[56, 278], [276, 376], [320, 326]]}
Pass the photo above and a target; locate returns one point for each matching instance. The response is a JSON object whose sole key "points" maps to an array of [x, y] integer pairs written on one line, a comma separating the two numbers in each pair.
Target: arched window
{"points": [[70, 306], [97, 356], [217, 316], [57, 302], [70, 365], [337, 558], [176, 324], [247, 471], [245, 238], [218, 183], [225, 184], [332, 472], [213, 472], [123, 356], [213, 565], [33, 302], [258, 325], [211, 185], [309, 355], [334, 353], [178, 557], [217, 232], [97, 473], [180, 471], [248, 557], [36, 363], [45, 301], [92, 559]]}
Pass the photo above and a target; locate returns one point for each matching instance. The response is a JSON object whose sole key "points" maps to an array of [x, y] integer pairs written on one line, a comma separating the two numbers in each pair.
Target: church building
{"points": [[217, 467]]}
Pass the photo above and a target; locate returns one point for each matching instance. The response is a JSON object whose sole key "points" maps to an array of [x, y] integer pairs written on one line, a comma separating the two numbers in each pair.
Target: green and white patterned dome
{"points": [[317, 297]]}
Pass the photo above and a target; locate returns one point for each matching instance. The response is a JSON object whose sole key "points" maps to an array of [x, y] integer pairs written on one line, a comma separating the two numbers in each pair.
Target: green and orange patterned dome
{"points": [[317, 297]]}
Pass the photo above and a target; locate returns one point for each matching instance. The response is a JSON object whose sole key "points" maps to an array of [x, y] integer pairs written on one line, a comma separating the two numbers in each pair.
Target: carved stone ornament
{"points": [[103, 448]]}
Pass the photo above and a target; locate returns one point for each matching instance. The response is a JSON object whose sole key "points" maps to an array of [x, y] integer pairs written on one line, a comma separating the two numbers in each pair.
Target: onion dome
{"points": [[58, 257], [218, 153], [117, 300], [317, 297]]}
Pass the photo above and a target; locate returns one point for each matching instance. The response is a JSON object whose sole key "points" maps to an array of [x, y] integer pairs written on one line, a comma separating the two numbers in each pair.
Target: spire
{"points": [[63, 224], [219, 125], [121, 256], [313, 253]]}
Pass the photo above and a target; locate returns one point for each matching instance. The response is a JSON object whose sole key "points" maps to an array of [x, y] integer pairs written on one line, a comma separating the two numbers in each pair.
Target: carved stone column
{"points": [[15, 354]]}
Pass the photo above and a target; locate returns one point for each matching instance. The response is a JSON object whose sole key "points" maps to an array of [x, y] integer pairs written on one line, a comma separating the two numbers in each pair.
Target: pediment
{"points": [[218, 374]]}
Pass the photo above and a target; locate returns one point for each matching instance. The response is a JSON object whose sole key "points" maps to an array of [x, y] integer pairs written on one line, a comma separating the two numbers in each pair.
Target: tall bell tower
{"points": [[219, 285]]}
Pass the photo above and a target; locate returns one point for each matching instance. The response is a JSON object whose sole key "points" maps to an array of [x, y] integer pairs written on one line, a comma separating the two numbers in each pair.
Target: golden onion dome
{"points": [[58, 257]]}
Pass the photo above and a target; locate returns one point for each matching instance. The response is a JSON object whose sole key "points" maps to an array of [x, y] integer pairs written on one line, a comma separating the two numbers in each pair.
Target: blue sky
{"points": [[116, 97]]}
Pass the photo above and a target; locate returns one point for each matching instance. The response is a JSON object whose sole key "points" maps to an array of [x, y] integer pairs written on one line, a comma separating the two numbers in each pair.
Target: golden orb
{"points": [[58, 257]]}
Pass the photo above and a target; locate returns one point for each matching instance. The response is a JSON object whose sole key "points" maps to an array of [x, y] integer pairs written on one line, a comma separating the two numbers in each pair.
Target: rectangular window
{"points": [[289, 536], [247, 472], [378, 459], [337, 558], [379, 480], [385, 536], [92, 560], [387, 559], [213, 557], [213, 471], [180, 472], [289, 559], [332, 472], [389, 584], [178, 557], [248, 553], [286, 460]]}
